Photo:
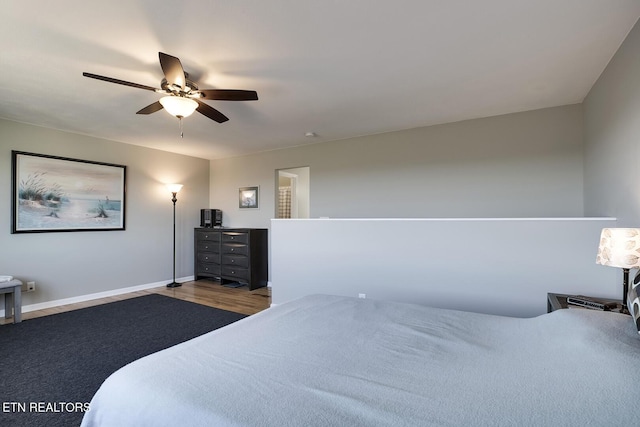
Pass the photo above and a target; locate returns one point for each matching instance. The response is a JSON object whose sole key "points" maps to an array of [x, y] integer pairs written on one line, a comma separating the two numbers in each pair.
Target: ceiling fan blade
{"points": [[120, 82], [156, 106], [210, 112], [230, 94], [172, 69]]}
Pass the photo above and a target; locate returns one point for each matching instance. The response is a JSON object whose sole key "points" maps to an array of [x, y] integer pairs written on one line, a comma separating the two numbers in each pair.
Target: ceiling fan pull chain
{"points": [[181, 132]]}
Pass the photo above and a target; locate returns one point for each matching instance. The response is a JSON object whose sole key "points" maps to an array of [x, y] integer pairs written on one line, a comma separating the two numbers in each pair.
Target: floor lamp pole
{"points": [[174, 199]]}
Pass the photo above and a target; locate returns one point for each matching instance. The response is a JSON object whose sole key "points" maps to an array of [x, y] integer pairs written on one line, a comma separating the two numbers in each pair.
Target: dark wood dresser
{"points": [[232, 255]]}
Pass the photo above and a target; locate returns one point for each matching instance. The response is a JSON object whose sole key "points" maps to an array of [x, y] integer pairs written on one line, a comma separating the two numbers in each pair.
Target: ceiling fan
{"points": [[182, 96]]}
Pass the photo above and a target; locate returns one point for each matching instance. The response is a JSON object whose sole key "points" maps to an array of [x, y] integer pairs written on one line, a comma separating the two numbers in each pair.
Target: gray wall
{"points": [[526, 164], [70, 264], [612, 137]]}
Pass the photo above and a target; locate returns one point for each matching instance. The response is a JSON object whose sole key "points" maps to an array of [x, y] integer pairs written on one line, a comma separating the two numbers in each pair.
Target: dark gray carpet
{"points": [[49, 365]]}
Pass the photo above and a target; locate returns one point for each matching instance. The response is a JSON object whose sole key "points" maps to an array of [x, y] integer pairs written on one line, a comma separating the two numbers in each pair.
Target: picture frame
{"points": [[248, 197], [54, 194]]}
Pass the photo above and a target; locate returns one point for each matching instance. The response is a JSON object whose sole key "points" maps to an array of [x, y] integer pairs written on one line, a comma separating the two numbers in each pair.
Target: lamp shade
{"points": [[179, 106], [174, 188], [619, 247]]}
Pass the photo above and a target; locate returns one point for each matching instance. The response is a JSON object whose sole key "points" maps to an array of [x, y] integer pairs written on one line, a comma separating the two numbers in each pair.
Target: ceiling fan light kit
{"points": [[178, 106], [182, 96]]}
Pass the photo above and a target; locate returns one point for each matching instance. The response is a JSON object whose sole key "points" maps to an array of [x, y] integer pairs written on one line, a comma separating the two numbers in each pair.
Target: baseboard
{"points": [[89, 297]]}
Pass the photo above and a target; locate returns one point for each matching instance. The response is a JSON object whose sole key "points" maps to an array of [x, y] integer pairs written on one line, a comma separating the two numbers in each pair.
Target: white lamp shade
{"points": [[619, 247], [174, 188], [179, 106]]}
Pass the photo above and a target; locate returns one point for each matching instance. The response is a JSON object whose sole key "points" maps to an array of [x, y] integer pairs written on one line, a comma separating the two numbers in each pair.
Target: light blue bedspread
{"points": [[335, 361]]}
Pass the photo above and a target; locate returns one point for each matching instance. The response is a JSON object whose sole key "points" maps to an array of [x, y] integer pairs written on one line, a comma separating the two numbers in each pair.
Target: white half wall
{"points": [[496, 266]]}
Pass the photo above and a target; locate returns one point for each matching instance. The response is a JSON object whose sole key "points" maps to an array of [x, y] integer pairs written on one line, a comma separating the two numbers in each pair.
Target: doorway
{"points": [[293, 193]]}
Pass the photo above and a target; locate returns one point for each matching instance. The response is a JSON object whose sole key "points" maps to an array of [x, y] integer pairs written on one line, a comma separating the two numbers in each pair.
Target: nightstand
{"points": [[559, 301]]}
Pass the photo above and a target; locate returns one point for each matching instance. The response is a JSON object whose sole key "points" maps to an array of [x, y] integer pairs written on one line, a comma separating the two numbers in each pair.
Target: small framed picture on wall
{"points": [[248, 197]]}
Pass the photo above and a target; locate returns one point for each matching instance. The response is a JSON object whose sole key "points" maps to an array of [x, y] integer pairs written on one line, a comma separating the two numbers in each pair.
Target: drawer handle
{"points": [[232, 261], [232, 249], [206, 236], [206, 257]]}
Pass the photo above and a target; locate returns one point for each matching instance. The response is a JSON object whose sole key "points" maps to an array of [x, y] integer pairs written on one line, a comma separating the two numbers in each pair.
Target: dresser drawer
{"points": [[211, 236], [235, 248], [235, 261], [207, 257], [235, 237], [236, 273], [208, 246], [206, 268]]}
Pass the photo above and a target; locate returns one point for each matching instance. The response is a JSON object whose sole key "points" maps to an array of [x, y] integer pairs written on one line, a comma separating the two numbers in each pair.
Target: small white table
{"points": [[12, 291]]}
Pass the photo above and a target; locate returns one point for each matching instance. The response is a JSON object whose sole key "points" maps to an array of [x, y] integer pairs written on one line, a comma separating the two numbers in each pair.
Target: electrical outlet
{"points": [[31, 286], [362, 296]]}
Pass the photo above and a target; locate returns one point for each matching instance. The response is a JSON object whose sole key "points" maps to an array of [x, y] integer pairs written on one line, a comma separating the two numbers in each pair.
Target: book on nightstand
{"points": [[580, 301]]}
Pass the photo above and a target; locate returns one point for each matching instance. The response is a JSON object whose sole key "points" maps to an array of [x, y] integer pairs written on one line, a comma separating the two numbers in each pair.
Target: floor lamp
{"points": [[174, 188]]}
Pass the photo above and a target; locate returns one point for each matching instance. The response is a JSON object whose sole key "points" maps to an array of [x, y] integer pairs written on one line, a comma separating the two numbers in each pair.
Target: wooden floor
{"points": [[205, 292]]}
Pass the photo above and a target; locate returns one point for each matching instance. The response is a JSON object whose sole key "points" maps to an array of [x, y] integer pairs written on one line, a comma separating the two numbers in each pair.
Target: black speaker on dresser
{"points": [[210, 218]]}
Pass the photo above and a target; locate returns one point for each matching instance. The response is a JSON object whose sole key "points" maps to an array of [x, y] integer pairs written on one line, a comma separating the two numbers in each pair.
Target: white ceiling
{"points": [[339, 68]]}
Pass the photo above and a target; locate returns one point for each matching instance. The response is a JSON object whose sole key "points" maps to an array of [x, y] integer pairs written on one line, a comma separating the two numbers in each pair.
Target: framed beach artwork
{"points": [[52, 193], [248, 197]]}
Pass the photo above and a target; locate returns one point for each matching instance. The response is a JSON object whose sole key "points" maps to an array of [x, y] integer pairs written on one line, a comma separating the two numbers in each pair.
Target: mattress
{"points": [[328, 361]]}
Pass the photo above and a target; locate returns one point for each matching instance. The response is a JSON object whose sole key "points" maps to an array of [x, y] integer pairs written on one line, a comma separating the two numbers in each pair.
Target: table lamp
{"points": [[620, 247]]}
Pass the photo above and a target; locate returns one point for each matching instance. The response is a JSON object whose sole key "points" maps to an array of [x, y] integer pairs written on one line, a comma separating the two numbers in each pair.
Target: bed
{"points": [[336, 361]]}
